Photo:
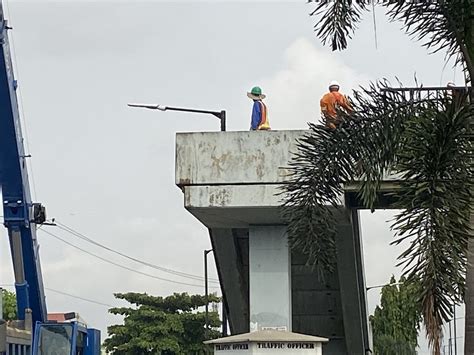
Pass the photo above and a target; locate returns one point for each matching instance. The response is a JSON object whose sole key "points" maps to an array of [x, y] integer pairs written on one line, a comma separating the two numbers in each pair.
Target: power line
{"points": [[375, 24], [79, 297], [154, 266], [116, 264], [69, 295], [77, 234]]}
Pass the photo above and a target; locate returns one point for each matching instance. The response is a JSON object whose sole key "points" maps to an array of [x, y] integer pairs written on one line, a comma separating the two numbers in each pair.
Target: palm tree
{"points": [[425, 140]]}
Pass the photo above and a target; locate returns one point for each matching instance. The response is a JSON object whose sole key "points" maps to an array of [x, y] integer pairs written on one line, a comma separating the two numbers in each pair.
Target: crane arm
{"points": [[20, 213]]}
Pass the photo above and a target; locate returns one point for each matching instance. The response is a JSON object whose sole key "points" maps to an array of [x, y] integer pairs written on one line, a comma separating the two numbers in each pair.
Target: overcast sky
{"points": [[108, 171]]}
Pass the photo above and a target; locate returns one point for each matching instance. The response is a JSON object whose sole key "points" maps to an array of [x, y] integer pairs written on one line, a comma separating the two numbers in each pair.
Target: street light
{"points": [[380, 286], [221, 115], [206, 290]]}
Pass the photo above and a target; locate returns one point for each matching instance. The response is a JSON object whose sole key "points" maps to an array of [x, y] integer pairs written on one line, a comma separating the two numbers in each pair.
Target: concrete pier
{"points": [[231, 182], [270, 278]]}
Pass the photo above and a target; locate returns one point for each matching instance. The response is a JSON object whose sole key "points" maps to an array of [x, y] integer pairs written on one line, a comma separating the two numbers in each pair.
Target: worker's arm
{"points": [[345, 104], [256, 116], [323, 105]]}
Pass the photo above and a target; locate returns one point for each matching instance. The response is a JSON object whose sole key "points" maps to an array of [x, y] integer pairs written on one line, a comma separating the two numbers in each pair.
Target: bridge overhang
{"points": [[232, 182]]}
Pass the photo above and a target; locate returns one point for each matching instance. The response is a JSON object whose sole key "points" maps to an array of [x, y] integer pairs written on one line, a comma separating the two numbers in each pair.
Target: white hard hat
{"points": [[334, 83]]}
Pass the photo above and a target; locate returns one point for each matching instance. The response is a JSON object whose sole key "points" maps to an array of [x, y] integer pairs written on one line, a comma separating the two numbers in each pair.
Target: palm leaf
{"points": [[435, 163], [337, 20], [427, 142], [441, 25]]}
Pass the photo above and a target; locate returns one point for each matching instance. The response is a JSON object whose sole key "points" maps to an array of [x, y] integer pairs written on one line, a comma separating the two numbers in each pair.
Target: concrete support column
{"points": [[232, 275], [270, 278], [352, 283]]}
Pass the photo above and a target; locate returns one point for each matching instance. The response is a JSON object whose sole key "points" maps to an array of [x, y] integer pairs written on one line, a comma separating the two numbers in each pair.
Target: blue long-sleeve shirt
{"points": [[256, 115]]}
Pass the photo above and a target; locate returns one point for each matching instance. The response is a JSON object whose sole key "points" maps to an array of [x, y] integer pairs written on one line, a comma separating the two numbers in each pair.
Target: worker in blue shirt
{"points": [[259, 110]]}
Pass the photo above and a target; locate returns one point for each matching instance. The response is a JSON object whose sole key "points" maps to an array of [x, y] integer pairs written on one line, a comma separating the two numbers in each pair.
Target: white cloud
{"points": [[293, 93], [107, 171]]}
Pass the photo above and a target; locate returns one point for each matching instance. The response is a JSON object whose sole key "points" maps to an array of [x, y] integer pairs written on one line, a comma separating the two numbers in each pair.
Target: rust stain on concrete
{"points": [[220, 197], [218, 164], [184, 182]]}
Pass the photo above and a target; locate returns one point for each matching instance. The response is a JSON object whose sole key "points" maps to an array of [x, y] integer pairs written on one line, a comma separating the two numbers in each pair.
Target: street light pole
{"points": [[206, 292], [221, 115], [224, 316], [455, 332]]}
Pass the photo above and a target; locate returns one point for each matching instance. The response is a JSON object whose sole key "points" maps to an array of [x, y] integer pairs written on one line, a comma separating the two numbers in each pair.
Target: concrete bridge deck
{"points": [[230, 182]]}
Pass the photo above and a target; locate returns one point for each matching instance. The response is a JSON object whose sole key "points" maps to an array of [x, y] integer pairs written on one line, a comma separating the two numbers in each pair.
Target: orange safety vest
{"points": [[264, 124], [331, 100]]}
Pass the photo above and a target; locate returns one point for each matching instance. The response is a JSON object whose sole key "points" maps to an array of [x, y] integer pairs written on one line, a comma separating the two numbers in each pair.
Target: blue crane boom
{"points": [[21, 217], [19, 212]]}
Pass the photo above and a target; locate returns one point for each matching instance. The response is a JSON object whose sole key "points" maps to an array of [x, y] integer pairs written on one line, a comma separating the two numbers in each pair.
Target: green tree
{"points": [[157, 325], [396, 322], [425, 140], [9, 305]]}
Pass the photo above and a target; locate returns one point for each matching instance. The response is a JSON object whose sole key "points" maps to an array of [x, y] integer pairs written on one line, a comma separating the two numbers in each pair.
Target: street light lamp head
{"points": [[381, 286], [150, 106]]}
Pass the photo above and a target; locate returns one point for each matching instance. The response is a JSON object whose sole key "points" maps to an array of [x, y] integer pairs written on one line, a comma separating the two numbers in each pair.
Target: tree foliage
{"points": [[426, 141], [9, 305], [157, 325], [439, 24], [396, 322]]}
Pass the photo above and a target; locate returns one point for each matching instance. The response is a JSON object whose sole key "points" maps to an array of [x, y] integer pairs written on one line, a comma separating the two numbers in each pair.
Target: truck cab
{"points": [[65, 338]]}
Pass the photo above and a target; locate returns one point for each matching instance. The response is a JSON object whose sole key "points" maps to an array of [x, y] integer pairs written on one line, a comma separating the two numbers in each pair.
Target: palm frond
{"points": [[337, 20], [435, 162], [427, 143], [315, 186], [441, 25], [324, 161]]}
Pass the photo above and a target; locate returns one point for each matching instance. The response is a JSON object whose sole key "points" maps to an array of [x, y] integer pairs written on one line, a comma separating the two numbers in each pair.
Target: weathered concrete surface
{"points": [[233, 158], [232, 196], [270, 278], [230, 182]]}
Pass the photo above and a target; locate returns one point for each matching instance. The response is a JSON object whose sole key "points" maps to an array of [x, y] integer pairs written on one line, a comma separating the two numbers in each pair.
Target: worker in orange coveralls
{"points": [[331, 102]]}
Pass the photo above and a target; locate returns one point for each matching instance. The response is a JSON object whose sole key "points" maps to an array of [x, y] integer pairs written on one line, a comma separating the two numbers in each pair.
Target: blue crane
{"points": [[21, 217]]}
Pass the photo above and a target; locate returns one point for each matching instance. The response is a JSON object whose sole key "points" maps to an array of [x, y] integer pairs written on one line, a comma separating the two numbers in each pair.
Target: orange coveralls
{"points": [[329, 102]]}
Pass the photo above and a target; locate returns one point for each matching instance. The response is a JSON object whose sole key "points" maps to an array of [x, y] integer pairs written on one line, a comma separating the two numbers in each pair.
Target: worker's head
{"points": [[256, 93], [334, 86]]}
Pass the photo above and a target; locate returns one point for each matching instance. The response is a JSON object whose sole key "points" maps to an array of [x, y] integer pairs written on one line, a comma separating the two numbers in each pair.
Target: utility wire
{"points": [[116, 264], [375, 24], [77, 234], [69, 295], [79, 297]]}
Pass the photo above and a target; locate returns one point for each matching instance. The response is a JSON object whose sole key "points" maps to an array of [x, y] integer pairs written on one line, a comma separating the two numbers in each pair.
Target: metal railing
{"points": [[427, 92], [18, 349]]}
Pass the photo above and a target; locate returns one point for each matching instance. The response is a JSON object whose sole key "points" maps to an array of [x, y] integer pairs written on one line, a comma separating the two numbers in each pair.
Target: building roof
{"points": [[66, 317], [268, 335]]}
